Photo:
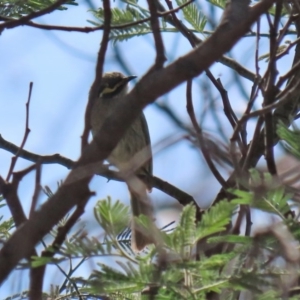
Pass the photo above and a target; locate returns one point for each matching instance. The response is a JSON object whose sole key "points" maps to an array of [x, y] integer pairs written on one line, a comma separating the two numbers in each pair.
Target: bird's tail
{"points": [[140, 205]]}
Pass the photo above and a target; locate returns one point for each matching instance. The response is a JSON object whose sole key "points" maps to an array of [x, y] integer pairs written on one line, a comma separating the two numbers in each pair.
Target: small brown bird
{"points": [[112, 89]]}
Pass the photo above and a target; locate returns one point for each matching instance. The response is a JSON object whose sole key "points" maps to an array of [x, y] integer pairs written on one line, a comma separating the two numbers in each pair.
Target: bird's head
{"points": [[113, 84]]}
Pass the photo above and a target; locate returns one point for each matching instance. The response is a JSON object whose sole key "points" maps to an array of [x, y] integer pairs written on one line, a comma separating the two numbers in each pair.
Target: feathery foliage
{"points": [[218, 3], [266, 194], [291, 138], [125, 16], [19, 8], [134, 12], [5, 225], [174, 273], [192, 15], [171, 271]]}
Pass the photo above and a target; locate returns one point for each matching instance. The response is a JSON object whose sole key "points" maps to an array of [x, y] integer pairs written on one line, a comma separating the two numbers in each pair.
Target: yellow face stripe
{"points": [[109, 90]]}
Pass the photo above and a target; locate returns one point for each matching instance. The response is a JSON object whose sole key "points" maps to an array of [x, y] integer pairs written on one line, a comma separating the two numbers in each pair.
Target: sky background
{"points": [[61, 66]]}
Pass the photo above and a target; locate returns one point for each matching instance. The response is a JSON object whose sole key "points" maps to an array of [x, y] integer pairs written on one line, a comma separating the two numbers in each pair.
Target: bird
{"points": [[113, 87]]}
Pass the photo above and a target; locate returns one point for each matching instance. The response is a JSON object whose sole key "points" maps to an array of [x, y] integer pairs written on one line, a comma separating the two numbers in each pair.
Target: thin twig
{"points": [[159, 45], [287, 76], [37, 188], [69, 274], [244, 211], [44, 159], [217, 83], [284, 113], [226, 103], [99, 69], [253, 97], [257, 49], [229, 113], [257, 113], [270, 92], [252, 147], [284, 30], [155, 182], [215, 145], [287, 49], [56, 244], [26, 133], [181, 27], [205, 152], [248, 220], [194, 40]]}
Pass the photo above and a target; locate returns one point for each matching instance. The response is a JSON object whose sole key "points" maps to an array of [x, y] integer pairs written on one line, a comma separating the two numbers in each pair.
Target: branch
{"points": [[26, 133], [99, 69], [43, 159], [283, 113], [194, 40], [159, 45], [199, 132], [9, 192], [260, 112], [270, 92], [58, 241], [182, 197]]}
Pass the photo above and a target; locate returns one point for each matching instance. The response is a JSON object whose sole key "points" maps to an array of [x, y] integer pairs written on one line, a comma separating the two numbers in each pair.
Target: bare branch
{"points": [[159, 45], [58, 241], [99, 69], [26, 133], [103, 170], [203, 147]]}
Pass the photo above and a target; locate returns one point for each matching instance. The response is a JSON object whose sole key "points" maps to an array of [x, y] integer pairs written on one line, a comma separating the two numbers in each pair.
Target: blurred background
{"points": [[61, 66]]}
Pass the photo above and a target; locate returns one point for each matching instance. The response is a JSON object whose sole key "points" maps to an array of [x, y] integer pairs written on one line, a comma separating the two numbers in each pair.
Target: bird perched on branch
{"points": [[136, 140]]}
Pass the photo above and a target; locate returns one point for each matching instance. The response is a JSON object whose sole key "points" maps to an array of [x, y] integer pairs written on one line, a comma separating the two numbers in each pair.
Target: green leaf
{"points": [[85, 246], [192, 15], [215, 219], [269, 295], [266, 194], [219, 3], [234, 239], [291, 137], [124, 35], [38, 261], [243, 197], [124, 16], [217, 261], [284, 11], [127, 280], [266, 56], [6, 227], [112, 217], [183, 236]]}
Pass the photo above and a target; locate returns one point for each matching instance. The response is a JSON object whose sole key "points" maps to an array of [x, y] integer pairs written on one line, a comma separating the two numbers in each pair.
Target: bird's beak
{"points": [[129, 78]]}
